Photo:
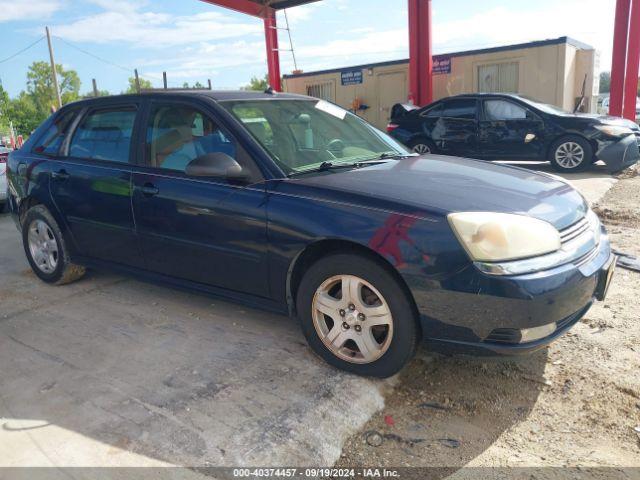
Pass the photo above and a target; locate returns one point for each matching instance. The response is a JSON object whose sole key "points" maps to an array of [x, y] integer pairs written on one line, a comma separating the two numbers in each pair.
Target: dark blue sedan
{"points": [[292, 204]]}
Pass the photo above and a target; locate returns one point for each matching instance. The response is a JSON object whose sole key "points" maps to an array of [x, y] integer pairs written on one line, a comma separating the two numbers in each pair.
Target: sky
{"points": [[195, 41]]}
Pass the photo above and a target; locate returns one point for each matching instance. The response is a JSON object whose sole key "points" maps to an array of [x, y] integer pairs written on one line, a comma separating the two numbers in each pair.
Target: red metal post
{"points": [[273, 55], [619, 61], [633, 63], [420, 57]]}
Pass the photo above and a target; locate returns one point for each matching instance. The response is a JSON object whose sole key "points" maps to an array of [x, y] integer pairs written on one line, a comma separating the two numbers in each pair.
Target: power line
{"points": [[23, 50], [97, 57]]}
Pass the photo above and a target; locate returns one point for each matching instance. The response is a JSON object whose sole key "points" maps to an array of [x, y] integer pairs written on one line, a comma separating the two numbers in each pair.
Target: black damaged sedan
{"points": [[493, 126], [295, 205]]}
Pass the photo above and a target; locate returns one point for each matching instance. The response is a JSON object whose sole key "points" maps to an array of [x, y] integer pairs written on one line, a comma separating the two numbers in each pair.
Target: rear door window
{"points": [[51, 140], [461, 108], [502, 110], [104, 134]]}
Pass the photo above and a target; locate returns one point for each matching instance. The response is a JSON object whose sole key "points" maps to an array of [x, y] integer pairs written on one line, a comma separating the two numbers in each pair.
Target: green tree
{"points": [[41, 89], [196, 86], [101, 93], [259, 84], [144, 85], [605, 82], [5, 105], [25, 115]]}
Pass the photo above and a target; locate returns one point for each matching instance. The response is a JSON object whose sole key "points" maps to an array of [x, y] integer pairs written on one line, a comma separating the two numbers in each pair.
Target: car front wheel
{"points": [[45, 248], [571, 154], [356, 316]]}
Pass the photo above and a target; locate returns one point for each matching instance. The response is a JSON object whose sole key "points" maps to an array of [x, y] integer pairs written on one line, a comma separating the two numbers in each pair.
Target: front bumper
{"points": [[619, 154], [476, 312]]}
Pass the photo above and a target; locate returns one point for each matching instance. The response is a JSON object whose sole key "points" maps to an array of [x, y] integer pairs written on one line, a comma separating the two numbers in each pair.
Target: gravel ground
{"points": [[576, 403]]}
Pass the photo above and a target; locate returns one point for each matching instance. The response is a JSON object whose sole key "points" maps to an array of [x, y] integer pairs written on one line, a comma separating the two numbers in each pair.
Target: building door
{"points": [[392, 89]]}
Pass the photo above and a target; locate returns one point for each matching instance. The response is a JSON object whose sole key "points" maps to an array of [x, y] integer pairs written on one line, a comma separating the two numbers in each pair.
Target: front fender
{"points": [[421, 248]]}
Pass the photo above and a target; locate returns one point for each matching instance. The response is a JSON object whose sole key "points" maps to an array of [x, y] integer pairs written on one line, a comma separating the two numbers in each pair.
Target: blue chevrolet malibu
{"points": [[293, 204]]}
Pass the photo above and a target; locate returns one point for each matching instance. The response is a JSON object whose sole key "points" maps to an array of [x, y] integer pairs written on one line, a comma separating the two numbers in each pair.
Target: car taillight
{"points": [[391, 127], [3, 158]]}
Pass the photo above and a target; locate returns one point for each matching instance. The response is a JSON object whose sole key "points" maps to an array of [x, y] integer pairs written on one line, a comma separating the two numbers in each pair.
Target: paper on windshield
{"points": [[331, 109]]}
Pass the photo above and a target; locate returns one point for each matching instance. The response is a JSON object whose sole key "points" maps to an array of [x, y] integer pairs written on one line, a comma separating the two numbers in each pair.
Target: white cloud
{"points": [[125, 23], [206, 60], [297, 14], [589, 21], [15, 10]]}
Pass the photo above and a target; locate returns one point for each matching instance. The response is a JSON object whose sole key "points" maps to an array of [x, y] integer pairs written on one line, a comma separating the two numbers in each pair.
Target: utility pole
{"points": [[53, 68], [137, 81], [95, 87]]}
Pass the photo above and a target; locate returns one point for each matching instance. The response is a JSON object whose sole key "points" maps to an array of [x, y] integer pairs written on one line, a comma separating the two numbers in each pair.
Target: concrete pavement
{"points": [[110, 371]]}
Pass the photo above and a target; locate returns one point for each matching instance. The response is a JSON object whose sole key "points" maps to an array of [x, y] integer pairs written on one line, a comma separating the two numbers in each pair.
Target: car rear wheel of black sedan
{"points": [[571, 154], [45, 248], [423, 146], [356, 316]]}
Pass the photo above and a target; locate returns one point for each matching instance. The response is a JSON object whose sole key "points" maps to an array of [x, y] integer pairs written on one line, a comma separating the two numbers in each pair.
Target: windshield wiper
{"points": [[324, 166], [327, 165], [394, 155]]}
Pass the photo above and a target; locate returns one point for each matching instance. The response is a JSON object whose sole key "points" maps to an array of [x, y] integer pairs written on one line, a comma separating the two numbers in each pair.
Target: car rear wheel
{"points": [[571, 154], [422, 146], [46, 250], [356, 316]]}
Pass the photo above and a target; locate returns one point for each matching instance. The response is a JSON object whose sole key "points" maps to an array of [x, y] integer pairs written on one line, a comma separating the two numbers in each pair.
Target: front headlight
{"points": [[614, 130], [497, 237]]}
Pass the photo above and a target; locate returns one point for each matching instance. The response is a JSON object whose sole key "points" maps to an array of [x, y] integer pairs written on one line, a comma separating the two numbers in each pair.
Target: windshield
{"points": [[545, 107], [303, 135]]}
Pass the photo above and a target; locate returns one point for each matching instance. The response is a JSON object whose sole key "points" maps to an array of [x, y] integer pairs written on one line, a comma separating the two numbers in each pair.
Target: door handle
{"points": [[60, 175], [149, 190]]}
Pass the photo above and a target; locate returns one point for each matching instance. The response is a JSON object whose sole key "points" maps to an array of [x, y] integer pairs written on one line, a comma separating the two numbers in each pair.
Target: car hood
{"points": [[602, 119], [438, 185]]}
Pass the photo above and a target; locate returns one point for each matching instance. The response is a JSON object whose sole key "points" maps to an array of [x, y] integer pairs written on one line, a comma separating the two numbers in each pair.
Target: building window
{"points": [[499, 77], [323, 91]]}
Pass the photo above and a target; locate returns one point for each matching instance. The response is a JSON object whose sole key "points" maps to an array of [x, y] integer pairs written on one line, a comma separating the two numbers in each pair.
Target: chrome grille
{"points": [[574, 230]]}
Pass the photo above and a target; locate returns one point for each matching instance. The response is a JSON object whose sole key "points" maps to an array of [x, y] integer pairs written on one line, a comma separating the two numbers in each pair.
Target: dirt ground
{"points": [[576, 403]]}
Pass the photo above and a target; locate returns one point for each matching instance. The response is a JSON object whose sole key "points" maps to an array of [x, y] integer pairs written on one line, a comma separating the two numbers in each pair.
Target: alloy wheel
{"points": [[352, 319], [569, 155], [43, 246], [421, 148]]}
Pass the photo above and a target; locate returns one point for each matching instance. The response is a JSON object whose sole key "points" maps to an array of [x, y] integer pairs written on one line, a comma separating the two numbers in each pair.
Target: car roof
{"points": [[218, 96], [484, 94]]}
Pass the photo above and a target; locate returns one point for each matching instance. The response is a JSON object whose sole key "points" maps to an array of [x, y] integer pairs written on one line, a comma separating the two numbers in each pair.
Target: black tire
{"points": [[418, 145], [64, 271], [569, 143], [404, 340]]}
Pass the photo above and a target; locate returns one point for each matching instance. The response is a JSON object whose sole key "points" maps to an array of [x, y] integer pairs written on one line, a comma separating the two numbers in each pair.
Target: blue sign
{"points": [[351, 77], [441, 65]]}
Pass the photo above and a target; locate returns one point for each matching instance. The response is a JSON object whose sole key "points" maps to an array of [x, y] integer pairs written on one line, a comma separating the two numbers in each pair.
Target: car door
{"points": [[90, 183], [206, 230], [455, 131], [510, 130]]}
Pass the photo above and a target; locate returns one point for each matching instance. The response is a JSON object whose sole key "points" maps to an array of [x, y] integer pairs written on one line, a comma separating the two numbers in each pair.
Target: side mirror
{"points": [[216, 164]]}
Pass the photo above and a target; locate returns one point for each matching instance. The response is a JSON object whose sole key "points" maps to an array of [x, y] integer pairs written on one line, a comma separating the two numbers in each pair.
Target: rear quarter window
{"points": [[51, 140]]}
